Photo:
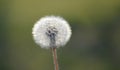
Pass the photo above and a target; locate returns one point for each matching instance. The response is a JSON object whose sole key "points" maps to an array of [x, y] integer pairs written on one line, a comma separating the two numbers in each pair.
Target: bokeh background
{"points": [[94, 45]]}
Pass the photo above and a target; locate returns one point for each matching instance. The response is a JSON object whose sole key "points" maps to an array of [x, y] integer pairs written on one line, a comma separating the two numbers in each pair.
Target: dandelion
{"points": [[52, 32]]}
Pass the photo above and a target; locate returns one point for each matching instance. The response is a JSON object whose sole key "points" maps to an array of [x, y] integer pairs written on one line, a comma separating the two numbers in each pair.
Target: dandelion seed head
{"points": [[51, 31]]}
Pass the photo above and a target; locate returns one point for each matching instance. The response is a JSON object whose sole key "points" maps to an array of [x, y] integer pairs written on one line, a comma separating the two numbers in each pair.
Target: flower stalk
{"points": [[54, 52]]}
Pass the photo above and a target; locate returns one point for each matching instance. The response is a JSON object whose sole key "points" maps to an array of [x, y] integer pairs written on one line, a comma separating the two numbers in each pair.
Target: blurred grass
{"points": [[88, 11]]}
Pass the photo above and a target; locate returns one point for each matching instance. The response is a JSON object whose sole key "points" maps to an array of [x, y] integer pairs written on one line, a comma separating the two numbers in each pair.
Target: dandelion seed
{"points": [[51, 31]]}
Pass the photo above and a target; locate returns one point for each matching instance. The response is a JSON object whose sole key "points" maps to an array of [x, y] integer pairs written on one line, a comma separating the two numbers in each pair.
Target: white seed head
{"points": [[51, 31]]}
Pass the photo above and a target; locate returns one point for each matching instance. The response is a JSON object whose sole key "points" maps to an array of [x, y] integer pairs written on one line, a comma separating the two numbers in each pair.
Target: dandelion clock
{"points": [[51, 32]]}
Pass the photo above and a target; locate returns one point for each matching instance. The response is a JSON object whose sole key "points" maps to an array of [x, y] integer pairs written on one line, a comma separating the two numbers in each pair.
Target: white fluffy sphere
{"points": [[51, 27]]}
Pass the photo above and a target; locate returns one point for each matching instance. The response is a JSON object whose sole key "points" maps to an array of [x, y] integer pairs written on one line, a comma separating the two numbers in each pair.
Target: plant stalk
{"points": [[54, 52]]}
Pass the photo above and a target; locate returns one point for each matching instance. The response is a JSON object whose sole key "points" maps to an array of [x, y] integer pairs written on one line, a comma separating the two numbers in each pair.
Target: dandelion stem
{"points": [[55, 58]]}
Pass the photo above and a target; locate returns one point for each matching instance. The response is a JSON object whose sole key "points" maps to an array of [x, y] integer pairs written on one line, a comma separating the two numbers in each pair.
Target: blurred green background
{"points": [[94, 45]]}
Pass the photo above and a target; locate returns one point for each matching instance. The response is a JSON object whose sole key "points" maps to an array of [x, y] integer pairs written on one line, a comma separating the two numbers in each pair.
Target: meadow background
{"points": [[94, 45]]}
